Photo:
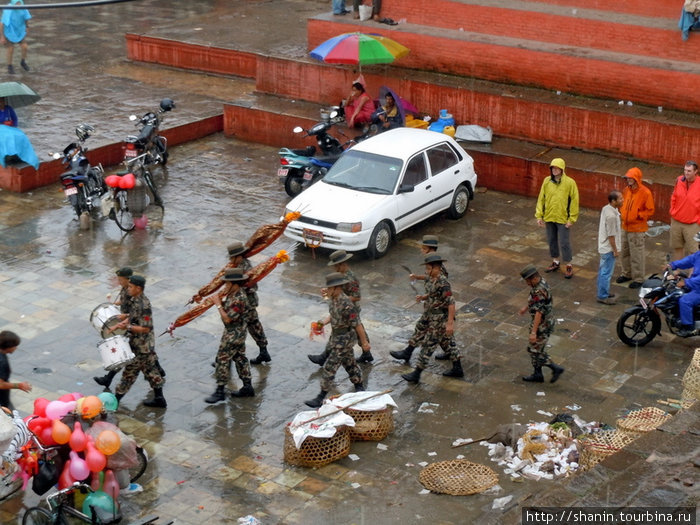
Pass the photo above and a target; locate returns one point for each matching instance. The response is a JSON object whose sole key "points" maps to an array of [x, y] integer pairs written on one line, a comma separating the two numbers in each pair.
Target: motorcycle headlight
{"points": [[350, 227], [644, 291]]}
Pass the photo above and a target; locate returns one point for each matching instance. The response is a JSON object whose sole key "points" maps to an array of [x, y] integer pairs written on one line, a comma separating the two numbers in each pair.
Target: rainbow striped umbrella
{"points": [[359, 48]]}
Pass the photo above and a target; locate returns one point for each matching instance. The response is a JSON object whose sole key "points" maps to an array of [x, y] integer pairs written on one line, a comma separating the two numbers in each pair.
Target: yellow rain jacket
{"points": [[558, 201]]}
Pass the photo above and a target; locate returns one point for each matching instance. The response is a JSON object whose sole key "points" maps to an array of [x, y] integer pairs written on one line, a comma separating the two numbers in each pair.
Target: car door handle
{"points": [[456, 172], [428, 187]]}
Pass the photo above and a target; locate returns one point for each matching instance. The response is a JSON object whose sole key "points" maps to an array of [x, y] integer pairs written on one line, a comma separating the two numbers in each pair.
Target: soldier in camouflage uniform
{"points": [[539, 305], [139, 327], [439, 316], [338, 260], [429, 245], [236, 312], [345, 331]]}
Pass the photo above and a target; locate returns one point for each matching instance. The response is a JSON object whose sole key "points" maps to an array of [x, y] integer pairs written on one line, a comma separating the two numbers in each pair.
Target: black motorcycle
{"points": [[148, 141], [83, 184], [658, 296]]}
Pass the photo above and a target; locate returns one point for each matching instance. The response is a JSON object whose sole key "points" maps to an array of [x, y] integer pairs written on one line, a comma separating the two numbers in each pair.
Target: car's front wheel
{"points": [[380, 241], [460, 203]]}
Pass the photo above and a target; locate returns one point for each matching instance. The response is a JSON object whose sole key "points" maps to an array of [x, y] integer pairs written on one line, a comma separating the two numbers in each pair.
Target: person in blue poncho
{"points": [[7, 114], [14, 31]]}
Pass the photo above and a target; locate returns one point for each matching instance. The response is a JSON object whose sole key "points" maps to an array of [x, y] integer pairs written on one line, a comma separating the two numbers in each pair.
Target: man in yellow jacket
{"points": [[637, 209], [557, 210]]}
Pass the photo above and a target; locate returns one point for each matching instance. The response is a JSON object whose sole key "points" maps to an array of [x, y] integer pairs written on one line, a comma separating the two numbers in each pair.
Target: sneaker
{"points": [[553, 267], [622, 279], [607, 300], [611, 295], [634, 285], [569, 272], [24, 65], [11, 69]]}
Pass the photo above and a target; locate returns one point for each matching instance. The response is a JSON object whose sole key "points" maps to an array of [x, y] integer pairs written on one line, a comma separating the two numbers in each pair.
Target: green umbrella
{"points": [[17, 94]]}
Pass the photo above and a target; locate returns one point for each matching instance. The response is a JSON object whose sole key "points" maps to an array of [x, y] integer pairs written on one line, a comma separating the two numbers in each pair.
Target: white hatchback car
{"points": [[382, 186]]}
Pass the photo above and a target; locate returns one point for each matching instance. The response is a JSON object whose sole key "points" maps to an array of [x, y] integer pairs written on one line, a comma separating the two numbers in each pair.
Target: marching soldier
{"points": [[539, 305], [345, 331], [338, 260], [236, 312], [438, 317], [139, 327]]}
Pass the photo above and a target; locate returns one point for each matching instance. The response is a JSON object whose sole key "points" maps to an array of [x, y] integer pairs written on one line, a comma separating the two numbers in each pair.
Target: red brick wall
{"points": [[510, 65]]}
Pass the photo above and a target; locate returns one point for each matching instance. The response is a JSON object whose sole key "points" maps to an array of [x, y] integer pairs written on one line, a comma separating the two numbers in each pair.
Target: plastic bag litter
{"points": [[474, 133], [249, 520], [125, 457], [324, 427]]}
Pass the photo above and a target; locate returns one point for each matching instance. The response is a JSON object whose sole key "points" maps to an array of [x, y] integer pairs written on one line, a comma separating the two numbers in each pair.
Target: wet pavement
{"points": [[218, 463], [225, 461]]}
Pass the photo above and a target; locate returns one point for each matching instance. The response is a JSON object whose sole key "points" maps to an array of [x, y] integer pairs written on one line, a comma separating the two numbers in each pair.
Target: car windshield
{"points": [[362, 171]]}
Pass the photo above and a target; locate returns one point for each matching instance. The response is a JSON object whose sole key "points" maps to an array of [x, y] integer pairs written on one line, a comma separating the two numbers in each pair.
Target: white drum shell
{"points": [[115, 352]]}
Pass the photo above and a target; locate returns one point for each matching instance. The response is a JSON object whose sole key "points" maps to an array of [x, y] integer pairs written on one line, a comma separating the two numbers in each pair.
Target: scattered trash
{"points": [[424, 491], [432, 453], [410, 464], [461, 441], [460, 456], [249, 520], [544, 413], [355, 485], [427, 408], [516, 408], [621, 102], [423, 463], [354, 457], [500, 503], [540, 393], [382, 446], [573, 407], [38, 370], [493, 490], [629, 103], [133, 488]]}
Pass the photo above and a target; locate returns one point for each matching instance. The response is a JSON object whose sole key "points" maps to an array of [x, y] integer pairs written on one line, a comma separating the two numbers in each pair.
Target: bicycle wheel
{"points": [[151, 186], [137, 471], [121, 214], [38, 516]]}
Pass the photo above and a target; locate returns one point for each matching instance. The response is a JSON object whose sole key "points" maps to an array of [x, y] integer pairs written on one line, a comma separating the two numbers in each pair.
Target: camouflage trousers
{"points": [[435, 335], [420, 332], [255, 329], [146, 362], [327, 351], [340, 352], [231, 348], [538, 350]]}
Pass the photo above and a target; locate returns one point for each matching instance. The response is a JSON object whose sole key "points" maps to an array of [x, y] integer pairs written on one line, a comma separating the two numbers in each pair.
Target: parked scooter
{"points": [[148, 141], [83, 184], [658, 296], [294, 162]]}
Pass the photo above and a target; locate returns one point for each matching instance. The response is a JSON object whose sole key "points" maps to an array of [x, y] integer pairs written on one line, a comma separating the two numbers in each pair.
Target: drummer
{"points": [[123, 298]]}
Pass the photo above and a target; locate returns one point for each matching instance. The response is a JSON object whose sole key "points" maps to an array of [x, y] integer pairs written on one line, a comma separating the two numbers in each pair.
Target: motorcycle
{"points": [[83, 184], [294, 163], [148, 141], [658, 296]]}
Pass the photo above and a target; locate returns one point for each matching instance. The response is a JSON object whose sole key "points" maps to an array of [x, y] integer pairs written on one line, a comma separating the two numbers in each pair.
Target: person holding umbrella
{"points": [[14, 31], [7, 114]]}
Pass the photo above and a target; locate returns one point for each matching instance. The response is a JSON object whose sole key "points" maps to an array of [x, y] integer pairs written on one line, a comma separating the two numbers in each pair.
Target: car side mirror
{"points": [[406, 188]]}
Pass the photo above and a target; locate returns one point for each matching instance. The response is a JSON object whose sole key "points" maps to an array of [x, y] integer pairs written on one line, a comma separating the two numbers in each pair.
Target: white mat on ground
{"points": [[323, 427]]}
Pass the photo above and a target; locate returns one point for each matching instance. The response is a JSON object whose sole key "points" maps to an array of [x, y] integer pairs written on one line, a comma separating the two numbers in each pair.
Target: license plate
{"points": [[643, 303], [131, 153], [308, 175], [70, 191], [312, 238], [282, 172]]}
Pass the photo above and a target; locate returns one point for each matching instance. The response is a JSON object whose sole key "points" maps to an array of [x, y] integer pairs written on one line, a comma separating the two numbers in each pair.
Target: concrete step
{"points": [[579, 70], [634, 34], [512, 166]]}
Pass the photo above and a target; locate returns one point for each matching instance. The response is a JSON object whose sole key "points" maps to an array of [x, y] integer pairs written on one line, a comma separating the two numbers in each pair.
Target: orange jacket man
{"points": [[636, 210]]}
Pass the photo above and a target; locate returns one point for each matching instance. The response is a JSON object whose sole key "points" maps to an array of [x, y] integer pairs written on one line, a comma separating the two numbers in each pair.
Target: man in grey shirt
{"points": [[608, 243]]}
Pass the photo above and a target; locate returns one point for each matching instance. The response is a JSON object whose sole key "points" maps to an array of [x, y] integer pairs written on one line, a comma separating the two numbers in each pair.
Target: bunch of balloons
{"points": [[87, 455]]}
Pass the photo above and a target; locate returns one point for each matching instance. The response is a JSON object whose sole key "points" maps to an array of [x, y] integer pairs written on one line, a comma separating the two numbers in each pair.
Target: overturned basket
{"points": [[373, 425], [458, 477], [643, 420], [317, 452], [596, 447], [691, 381]]}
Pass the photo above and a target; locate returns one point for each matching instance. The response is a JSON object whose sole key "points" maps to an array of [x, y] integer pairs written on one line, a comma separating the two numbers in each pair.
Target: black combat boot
{"points": [[413, 377], [359, 387], [106, 379], [556, 372], [317, 401], [218, 395], [536, 376], [404, 354], [263, 357], [366, 357], [119, 396], [318, 359], [456, 370], [245, 391], [158, 400]]}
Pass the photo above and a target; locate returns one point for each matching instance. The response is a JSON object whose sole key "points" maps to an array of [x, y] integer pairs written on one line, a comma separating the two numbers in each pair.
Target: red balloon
{"points": [[66, 398], [78, 439], [46, 437], [40, 406], [38, 424], [112, 181], [128, 181], [96, 460], [66, 480]]}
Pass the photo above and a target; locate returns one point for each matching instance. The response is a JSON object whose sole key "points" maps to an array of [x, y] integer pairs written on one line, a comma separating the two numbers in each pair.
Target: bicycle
{"points": [[127, 195]]}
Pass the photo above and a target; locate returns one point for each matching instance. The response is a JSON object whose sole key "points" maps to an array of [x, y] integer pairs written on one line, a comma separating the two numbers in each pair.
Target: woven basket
{"points": [[372, 425], [596, 447], [691, 379], [458, 477], [643, 420], [316, 452]]}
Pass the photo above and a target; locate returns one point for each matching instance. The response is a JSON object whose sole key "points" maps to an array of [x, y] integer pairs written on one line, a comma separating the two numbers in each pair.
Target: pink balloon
{"points": [[78, 439], [77, 395], [96, 460], [111, 486], [66, 398], [58, 409], [78, 468]]}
